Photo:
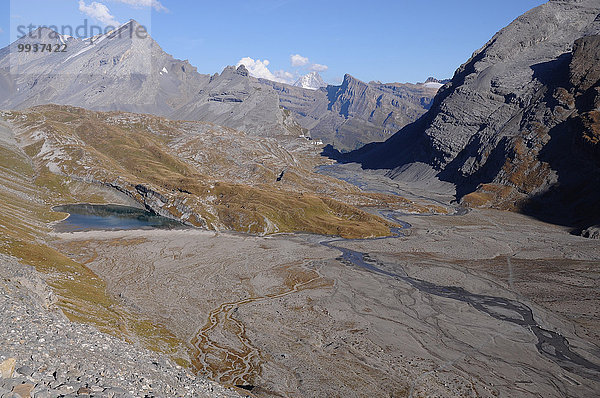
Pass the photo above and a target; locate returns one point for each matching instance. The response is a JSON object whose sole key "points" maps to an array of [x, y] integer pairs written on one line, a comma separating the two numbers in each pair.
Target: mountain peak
{"points": [[44, 30], [131, 24], [43, 33], [134, 26], [311, 81], [231, 70], [241, 70], [432, 82]]}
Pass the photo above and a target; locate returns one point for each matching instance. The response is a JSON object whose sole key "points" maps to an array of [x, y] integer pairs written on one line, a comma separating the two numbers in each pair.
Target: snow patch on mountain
{"points": [[433, 85], [311, 81]]}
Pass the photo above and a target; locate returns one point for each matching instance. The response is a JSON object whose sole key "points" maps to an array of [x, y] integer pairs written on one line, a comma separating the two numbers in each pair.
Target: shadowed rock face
{"points": [[517, 127]]}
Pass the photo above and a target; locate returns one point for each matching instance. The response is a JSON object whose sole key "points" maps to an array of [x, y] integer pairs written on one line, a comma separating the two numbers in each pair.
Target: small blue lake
{"points": [[86, 217]]}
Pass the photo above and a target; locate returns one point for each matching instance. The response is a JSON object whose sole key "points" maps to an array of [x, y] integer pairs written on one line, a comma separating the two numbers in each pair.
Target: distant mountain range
{"points": [[518, 126], [355, 113], [121, 71]]}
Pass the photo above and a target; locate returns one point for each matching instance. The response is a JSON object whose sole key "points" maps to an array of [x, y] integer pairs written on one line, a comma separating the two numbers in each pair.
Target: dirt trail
{"points": [[237, 365]]}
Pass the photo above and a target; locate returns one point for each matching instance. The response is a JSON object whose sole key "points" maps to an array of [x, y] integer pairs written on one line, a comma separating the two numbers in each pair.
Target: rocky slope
{"points": [[516, 128], [199, 173], [234, 99], [42, 354], [191, 171]]}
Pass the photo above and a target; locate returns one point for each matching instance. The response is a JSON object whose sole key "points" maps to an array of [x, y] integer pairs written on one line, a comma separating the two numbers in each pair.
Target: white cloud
{"points": [[298, 60], [259, 69], [285, 76], [144, 3], [99, 12], [318, 68]]}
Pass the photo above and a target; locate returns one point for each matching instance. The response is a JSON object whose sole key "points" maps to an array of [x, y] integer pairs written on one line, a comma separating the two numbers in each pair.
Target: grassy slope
{"points": [[94, 149], [139, 153], [26, 198]]}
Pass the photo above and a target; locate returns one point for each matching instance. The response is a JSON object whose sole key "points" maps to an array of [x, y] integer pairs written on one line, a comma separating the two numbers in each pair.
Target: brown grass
{"points": [[26, 198], [138, 153]]}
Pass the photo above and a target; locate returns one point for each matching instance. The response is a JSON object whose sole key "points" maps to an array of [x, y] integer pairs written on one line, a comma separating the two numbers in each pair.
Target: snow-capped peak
{"points": [[311, 81]]}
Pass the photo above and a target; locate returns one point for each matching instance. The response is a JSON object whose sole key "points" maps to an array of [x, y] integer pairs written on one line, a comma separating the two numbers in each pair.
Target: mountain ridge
{"points": [[135, 75], [355, 113]]}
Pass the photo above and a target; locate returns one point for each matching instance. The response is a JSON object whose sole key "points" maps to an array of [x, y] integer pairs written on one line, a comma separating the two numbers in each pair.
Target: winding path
{"points": [[236, 365]]}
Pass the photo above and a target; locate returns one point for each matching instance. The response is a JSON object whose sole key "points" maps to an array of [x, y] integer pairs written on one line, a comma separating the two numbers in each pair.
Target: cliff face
{"points": [[373, 111], [551, 166], [584, 78], [517, 126]]}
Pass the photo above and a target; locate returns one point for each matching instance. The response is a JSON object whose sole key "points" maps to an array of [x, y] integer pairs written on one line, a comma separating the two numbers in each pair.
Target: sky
{"points": [[375, 40]]}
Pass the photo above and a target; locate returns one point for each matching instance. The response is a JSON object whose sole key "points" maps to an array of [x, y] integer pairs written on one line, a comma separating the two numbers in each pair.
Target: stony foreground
{"points": [[42, 354]]}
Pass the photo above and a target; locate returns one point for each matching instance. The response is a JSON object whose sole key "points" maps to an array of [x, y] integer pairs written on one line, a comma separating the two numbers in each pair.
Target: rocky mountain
{"points": [[311, 81], [355, 113], [118, 69], [236, 100], [517, 127], [125, 71]]}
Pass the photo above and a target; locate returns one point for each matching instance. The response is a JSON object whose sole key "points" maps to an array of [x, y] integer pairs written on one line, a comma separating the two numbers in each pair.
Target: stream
{"points": [[550, 344]]}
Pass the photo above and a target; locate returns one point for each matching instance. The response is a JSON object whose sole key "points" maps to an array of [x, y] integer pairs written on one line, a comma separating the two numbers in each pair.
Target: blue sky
{"points": [[385, 40]]}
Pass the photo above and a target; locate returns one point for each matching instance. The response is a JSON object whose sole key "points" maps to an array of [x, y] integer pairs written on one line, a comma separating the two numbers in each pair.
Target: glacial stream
{"points": [[550, 344]]}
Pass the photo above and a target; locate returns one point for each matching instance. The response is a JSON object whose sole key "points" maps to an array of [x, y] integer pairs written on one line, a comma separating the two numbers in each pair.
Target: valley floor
{"points": [[283, 314], [286, 315]]}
